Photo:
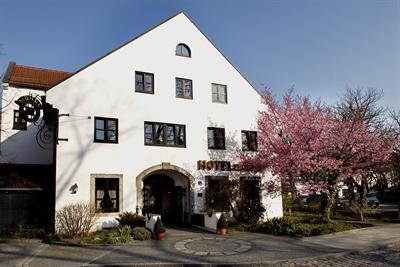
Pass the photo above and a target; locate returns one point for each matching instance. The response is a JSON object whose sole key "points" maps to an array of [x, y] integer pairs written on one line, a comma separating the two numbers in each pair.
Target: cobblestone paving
{"points": [[212, 246], [388, 256]]}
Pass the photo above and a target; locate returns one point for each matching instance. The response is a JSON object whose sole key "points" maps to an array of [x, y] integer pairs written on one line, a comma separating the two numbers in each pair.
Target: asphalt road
{"points": [[265, 249]]}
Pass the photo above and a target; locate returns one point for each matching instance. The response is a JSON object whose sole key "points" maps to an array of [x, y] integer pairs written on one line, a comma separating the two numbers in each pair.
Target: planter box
{"points": [[210, 223], [151, 221]]}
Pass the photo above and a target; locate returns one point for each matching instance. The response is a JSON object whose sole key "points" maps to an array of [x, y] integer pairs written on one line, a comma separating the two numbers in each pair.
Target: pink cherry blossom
{"points": [[304, 142]]}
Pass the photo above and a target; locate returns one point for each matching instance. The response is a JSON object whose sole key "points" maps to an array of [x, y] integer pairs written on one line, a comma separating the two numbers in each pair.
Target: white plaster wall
{"points": [[107, 89], [20, 146]]}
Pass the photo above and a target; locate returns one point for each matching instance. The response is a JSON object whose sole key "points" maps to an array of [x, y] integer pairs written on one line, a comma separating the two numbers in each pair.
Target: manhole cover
{"points": [[212, 246]]}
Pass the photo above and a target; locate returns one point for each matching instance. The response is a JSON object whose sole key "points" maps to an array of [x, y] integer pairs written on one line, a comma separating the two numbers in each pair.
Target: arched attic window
{"points": [[182, 50]]}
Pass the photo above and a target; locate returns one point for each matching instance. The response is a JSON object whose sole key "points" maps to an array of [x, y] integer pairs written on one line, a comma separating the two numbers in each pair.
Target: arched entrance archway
{"points": [[158, 177]]}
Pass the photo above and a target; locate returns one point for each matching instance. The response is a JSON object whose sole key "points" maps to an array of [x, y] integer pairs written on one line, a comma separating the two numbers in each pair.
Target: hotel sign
{"points": [[213, 165], [29, 107]]}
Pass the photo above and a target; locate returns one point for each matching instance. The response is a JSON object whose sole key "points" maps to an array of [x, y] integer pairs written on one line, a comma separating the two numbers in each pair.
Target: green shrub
{"points": [[250, 212], [131, 219], [119, 235], [302, 229], [279, 226], [313, 220], [321, 229], [48, 238], [99, 237], [222, 221], [159, 227], [141, 233]]}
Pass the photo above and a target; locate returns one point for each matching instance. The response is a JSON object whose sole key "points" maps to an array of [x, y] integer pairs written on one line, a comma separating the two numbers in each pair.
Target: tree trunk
{"points": [[352, 195], [362, 190], [330, 203]]}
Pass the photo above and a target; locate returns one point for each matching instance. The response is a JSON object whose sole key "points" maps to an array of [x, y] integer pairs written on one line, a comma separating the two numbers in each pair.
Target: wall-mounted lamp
{"points": [[73, 189]]}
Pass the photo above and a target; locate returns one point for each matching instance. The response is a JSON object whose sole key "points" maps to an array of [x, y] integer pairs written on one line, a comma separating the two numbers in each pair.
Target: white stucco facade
{"points": [[20, 146], [106, 88]]}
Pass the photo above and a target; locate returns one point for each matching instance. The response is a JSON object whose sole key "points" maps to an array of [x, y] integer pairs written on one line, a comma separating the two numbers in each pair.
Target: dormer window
{"points": [[182, 50]]}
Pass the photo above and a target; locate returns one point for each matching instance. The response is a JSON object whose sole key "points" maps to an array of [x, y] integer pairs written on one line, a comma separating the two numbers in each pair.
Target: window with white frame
{"points": [[219, 93]]}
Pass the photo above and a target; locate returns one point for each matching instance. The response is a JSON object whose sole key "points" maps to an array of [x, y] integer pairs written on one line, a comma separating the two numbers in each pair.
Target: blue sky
{"points": [[318, 47]]}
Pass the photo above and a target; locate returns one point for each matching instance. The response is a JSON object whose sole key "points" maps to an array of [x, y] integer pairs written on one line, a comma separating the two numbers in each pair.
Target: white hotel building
{"points": [[151, 124]]}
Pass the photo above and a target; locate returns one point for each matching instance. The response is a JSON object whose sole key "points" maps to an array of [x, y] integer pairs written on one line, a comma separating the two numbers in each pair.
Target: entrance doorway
{"points": [[161, 195]]}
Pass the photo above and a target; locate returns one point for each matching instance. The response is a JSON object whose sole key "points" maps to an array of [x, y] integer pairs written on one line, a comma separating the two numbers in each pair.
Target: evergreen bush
{"points": [[222, 221], [159, 227]]}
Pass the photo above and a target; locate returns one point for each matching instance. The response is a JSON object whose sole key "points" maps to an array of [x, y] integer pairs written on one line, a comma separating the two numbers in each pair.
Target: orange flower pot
{"points": [[222, 231], [160, 236]]}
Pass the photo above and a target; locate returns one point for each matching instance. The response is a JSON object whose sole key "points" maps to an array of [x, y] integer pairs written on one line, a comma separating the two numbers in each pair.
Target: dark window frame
{"points": [[96, 140], [215, 146], [165, 134], [251, 145], [21, 124], [226, 93], [184, 80], [137, 90], [181, 54], [211, 202], [117, 197], [250, 187]]}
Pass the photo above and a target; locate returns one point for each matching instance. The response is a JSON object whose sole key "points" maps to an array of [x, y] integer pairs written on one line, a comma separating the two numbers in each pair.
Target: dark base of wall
{"points": [[28, 209]]}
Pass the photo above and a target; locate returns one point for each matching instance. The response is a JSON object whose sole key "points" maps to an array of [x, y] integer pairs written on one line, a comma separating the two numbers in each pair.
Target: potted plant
{"points": [[159, 229], [222, 224]]}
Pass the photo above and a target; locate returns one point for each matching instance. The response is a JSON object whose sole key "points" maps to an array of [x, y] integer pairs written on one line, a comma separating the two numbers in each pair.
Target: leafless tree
{"points": [[395, 161], [395, 117], [363, 104]]}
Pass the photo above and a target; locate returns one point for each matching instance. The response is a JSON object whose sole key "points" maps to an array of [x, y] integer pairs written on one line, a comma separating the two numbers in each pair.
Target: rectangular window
{"points": [[249, 140], [215, 199], [164, 134], [105, 130], [107, 195], [184, 88], [19, 123], [219, 93], [250, 189], [216, 138], [144, 82]]}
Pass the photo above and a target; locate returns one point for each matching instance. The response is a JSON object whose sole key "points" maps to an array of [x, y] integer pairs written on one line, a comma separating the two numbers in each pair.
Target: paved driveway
{"points": [[189, 246]]}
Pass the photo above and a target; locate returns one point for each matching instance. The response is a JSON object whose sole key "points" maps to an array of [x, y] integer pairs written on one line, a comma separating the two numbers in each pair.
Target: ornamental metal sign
{"points": [[29, 107]]}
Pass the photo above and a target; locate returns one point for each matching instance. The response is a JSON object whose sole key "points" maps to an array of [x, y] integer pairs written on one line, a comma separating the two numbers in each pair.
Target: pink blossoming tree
{"points": [[305, 143]]}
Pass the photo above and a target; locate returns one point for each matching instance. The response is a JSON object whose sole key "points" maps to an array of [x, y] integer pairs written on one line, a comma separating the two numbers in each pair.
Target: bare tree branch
{"points": [[363, 104]]}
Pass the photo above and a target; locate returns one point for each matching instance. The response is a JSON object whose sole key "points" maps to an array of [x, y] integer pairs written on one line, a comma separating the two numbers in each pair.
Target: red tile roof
{"points": [[32, 77], [16, 182]]}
